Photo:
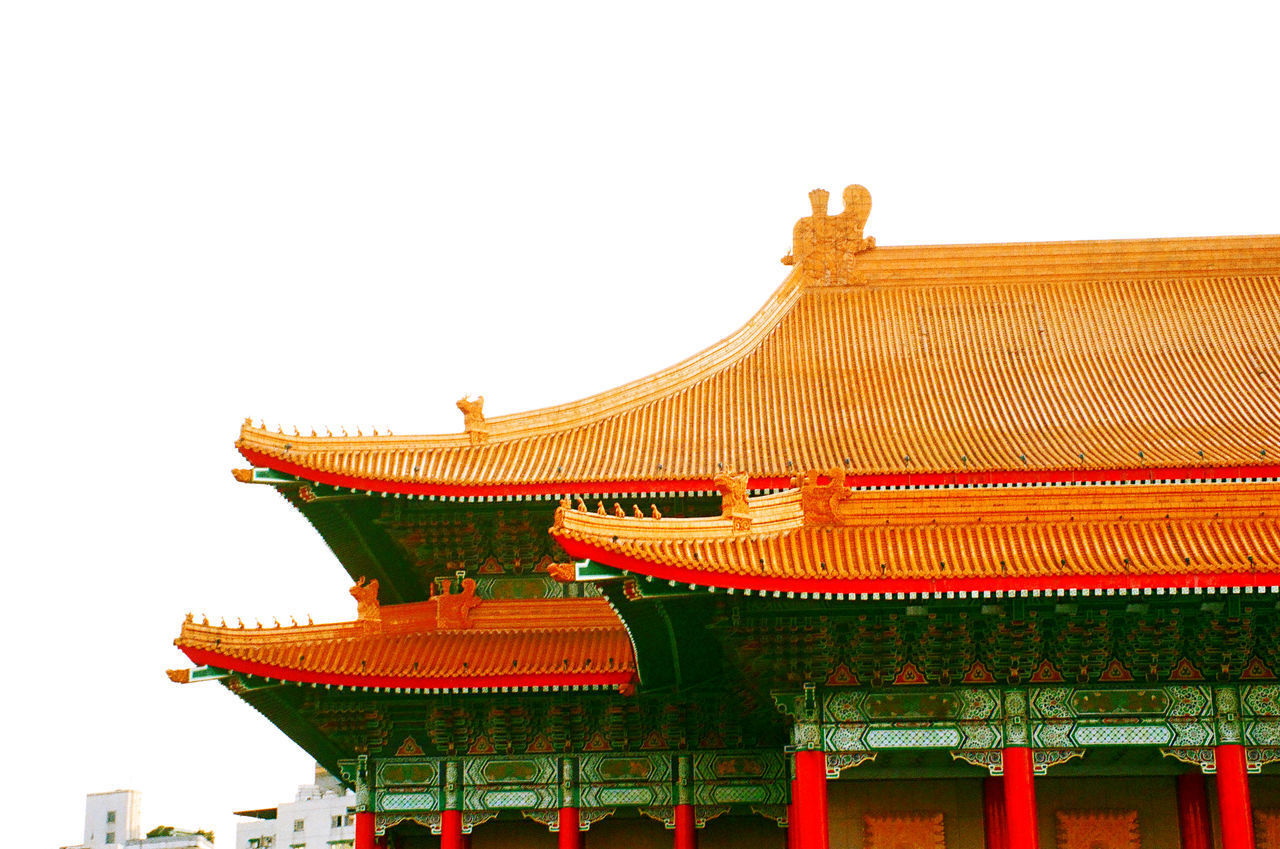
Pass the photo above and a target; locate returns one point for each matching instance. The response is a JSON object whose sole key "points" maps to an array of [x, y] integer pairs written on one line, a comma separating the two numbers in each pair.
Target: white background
{"points": [[351, 214]]}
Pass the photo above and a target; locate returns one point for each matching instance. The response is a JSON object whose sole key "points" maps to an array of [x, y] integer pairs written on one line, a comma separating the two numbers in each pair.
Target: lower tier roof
{"points": [[826, 538], [542, 643]]}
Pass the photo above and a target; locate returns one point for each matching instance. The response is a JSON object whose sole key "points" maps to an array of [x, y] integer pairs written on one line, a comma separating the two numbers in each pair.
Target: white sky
{"points": [[351, 214]]}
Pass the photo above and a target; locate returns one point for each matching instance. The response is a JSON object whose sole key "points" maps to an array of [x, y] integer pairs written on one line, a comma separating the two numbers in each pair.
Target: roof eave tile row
{"points": [[1054, 539], [566, 643]]}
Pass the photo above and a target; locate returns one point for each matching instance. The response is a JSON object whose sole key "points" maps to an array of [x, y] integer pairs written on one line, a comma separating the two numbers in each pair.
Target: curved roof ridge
{"points": [[583, 411], [945, 360]]}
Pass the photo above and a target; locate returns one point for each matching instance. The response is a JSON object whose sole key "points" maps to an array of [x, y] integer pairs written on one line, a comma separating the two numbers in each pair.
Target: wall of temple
{"points": [[634, 833], [1152, 798], [903, 804]]}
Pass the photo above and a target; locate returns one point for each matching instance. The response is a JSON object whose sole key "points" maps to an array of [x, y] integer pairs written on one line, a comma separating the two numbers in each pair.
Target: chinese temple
{"points": [[949, 547]]}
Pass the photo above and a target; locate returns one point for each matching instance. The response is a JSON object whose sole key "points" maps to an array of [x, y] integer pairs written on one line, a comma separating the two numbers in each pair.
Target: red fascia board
{"points": [[205, 657], [697, 484], [759, 583]]}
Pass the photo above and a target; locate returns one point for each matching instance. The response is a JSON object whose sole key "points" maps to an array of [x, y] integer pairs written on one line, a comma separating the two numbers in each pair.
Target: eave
{"points": [[969, 542]]}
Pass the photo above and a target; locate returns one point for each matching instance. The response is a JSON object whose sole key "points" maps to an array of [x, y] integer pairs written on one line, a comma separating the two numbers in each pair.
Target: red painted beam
{"points": [[1235, 811], [809, 800], [1194, 829], [686, 831], [364, 830], [570, 835], [451, 830], [1020, 799], [994, 823]]}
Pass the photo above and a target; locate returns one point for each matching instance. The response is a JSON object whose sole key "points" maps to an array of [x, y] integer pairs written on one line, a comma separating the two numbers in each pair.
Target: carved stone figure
{"points": [[453, 610], [824, 247], [819, 501], [733, 501], [565, 573], [473, 419], [366, 596]]}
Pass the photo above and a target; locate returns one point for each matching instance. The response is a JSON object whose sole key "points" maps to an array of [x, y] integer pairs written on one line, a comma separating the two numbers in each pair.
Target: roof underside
{"points": [[830, 539], [958, 360]]}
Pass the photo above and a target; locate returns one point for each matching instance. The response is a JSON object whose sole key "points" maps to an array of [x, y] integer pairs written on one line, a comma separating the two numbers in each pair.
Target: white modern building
{"points": [[112, 819], [321, 816]]}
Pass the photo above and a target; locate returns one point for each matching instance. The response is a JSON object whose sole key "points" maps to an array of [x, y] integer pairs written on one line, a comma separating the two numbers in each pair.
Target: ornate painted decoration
{"points": [[1098, 830], [904, 831]]}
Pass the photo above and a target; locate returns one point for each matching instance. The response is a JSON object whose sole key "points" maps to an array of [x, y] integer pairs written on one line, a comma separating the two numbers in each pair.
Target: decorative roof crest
{"points": [[824, 247], [453, 610], [733, 502], [819, 501], [473, 418], [366, 596]]}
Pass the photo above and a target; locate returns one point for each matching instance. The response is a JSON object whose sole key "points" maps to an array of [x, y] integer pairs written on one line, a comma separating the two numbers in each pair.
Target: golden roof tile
{"points": [[956, 360], [825, 537], [495, 643]]}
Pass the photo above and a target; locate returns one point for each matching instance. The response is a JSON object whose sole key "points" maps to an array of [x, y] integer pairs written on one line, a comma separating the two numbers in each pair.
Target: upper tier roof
{"points": [[826, 538], [543, 643], [956, 362]]}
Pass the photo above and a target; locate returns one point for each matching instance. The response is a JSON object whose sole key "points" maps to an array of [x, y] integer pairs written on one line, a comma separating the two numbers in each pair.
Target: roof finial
{"points": [[824, 246], [733, 502], [473, 418]]}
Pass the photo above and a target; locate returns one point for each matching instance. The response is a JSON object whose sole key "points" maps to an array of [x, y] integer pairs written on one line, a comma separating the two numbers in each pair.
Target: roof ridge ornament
{"points": [[819, 502], [367, 608], [473, 418], [824, 247], [734, 503]]}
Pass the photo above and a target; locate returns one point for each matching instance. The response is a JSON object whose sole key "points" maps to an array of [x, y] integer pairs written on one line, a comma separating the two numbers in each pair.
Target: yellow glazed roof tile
{"points": [[958, 359], [479, 644], [828, 538]]}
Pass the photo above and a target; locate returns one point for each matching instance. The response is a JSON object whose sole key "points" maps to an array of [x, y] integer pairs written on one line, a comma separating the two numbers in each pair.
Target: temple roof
{"points": [[960, 363], [827, 538], [479, 645]]}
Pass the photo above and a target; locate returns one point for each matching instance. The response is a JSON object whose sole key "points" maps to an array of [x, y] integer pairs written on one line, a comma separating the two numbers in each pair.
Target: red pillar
{"points": [[570, 836], [994, 824], [686, 831], [364, 830], [1235, 813], [1193, 812], [1020, 799], [793, 831], [451, 830], [809, 802]]}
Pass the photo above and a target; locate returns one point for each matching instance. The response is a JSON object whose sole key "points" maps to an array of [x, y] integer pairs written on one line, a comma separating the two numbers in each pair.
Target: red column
{"points": [[793, 831], [364, 830], [686, 831], [994, 824], [1235, 813], [809, 802], [570, 836], [451, 830], [1020, 799], [1193, 812]]}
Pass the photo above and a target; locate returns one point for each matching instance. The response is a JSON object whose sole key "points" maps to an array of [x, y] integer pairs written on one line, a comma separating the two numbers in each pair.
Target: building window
{"points": [[111, 837], [297, 825], [111, 817], [337, 822]]}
